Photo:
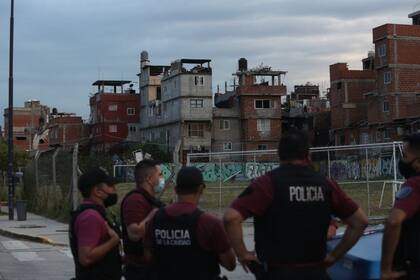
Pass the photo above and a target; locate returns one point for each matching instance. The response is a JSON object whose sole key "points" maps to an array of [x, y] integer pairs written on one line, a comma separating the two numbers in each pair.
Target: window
{"points": [[196, 130], [224, 124], [113, 108], [386, 106], [387, 77], [165, 112], [382, 50], [131, 111], [112, 128], [227, 146], [150, 111], [199, 80], [21, 138], [342, 139], [132, 128], [364, 138], [263, 125], [339, 85], [263, 104], [386, 134], [262, 147], [196, 103]]}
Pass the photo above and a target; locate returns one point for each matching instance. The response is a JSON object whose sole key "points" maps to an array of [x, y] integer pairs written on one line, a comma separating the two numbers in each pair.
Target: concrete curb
{"points": [[32, 238]]}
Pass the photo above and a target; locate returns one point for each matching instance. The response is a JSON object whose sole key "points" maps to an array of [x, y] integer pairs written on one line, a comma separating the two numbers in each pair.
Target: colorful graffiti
{"points": [[340, 170], [254, 169]]}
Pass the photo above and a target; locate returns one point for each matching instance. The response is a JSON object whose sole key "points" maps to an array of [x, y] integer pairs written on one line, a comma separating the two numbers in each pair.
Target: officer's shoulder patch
{"points": [[405, 191]]}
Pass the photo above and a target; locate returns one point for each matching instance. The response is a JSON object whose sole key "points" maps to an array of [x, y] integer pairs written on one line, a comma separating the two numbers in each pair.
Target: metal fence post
{"points": [[394, 184], [74, 197], [329, 164], [220, 185], [54, 167], [367, 182]]}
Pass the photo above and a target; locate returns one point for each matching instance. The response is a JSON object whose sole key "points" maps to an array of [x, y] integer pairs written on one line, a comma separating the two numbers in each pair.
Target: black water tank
{"points": [[243, 64]]}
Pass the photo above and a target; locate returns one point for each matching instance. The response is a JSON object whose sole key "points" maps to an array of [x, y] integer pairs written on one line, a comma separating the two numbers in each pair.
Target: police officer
{"points": [[183, 241], [401, 241], [135, 208], [94, 240], [292, 207]]}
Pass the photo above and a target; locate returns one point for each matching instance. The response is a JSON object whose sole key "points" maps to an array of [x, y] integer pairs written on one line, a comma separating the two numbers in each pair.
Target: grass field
{"points": [[218, 197]]}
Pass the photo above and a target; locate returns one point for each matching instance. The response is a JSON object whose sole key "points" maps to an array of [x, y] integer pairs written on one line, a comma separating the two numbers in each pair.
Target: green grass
{"points": [[228, 191]]}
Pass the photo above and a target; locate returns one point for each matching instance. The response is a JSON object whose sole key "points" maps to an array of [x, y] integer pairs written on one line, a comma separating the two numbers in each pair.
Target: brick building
{"points": [[349, 107], [394, 106], [29, 126], [114, 114], [67, 130], [304, 109], [381, 102], [304, 92]]}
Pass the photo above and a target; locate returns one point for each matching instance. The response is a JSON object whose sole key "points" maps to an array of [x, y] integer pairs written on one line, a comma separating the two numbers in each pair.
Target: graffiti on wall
{"points": [[340, 170], [254, 169]]}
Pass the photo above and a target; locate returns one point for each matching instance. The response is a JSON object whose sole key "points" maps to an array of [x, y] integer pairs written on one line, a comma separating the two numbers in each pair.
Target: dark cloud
{"points": [[61, 47]]}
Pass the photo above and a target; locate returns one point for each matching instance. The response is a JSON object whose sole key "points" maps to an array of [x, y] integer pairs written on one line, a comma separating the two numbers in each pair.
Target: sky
{"points": [[63, 46]]}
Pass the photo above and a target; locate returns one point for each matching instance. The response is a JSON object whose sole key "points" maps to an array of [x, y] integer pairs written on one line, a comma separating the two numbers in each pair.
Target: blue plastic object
{"points": [[362, 261]]}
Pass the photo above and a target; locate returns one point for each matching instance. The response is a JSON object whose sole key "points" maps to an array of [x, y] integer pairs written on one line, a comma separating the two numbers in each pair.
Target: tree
{"points": [[20, 158]]}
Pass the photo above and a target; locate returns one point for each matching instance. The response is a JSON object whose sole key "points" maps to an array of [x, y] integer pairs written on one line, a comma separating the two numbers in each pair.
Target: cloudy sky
{"points": [[62, 46]]}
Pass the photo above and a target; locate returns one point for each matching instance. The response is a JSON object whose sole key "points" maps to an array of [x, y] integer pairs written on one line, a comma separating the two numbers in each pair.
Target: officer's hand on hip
{"points": [[329, 260], [113, 236], [246, 258], [390, 275]]}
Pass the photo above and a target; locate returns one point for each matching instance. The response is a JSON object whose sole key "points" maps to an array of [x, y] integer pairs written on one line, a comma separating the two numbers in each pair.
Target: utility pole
{"points": [[10, 159]]}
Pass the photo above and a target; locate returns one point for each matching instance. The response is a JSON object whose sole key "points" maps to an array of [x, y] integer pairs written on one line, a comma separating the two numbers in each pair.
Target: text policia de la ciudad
{"points": [[173, 237]]}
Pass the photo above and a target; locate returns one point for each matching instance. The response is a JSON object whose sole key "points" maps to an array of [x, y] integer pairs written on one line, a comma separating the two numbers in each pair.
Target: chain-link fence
{"points": [[49, 182], [368, 173]]}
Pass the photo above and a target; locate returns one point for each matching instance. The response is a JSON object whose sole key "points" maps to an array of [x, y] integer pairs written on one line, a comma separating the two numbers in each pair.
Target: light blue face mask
{"points": [[159, 187]]}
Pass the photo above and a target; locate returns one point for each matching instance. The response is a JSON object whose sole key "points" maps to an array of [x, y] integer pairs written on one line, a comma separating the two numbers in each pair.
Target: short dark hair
{"points": [[188, 180], [413, 141], [91, 178], [143, 169], [293, 145]]}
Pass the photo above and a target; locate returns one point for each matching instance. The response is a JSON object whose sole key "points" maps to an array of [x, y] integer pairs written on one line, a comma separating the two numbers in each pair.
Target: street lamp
{"points": [[10, 179]]}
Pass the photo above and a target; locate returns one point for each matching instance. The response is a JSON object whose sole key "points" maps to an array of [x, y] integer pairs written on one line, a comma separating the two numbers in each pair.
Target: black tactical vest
{"points": [[136, 247], [407, 255], [108, 268], [176, 252], [294, 228]]}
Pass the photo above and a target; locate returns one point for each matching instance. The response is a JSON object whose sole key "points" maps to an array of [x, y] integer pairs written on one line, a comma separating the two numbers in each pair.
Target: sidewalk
{"points": [[35, 228]]}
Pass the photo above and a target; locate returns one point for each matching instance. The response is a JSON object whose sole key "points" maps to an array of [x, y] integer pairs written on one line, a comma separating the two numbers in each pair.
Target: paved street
{"points": [[21, 260]]}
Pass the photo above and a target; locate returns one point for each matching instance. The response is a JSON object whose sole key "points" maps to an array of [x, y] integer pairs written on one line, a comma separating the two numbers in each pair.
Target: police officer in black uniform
{"points": [[401, 241], [183, 241], [94, 239], [292, 207]]}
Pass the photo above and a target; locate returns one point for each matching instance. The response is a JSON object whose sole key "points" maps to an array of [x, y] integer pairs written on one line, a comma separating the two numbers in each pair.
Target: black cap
{"points": [[92, 178], [188, 180]]}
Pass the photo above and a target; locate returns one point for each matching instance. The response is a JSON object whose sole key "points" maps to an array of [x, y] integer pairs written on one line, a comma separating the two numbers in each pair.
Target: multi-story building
{"points": [[249, 116], [29, 126], [304, 109], [305, 92], [259, 91], [67, 129], [348, 104], [177, 115], [227, 127], [394, 106], [114, 114], [382, 102]]}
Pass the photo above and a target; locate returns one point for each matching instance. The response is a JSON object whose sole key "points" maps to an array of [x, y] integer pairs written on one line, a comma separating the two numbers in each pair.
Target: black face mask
{"points": [[406, 169], [110, 200]]}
